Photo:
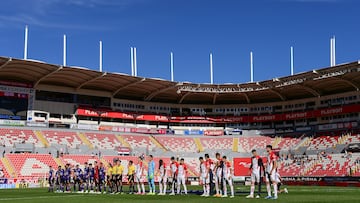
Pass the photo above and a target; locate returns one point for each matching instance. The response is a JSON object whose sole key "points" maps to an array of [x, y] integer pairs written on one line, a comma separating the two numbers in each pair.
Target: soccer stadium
{"points": [[70, 133]]}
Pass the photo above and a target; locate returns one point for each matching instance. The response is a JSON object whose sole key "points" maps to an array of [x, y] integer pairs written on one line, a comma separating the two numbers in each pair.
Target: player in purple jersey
{"points": [[59, 179], [51, 179], [66, 178], [91, 180], [77, 178], [85, 176], [102, 175]]}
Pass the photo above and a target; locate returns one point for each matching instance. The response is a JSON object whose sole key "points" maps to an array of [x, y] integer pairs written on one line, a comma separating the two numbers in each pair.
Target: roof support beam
{"points": [[128, 85], [246, 97], [7, 62], [349, 83], [183, 97], [214, 98], [89, 81], [274, 91], [153, 94], [309, 89], [47, 75]]}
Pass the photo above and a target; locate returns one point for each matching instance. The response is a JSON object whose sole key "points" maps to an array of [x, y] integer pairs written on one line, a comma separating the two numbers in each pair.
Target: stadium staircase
{"points": [[123, 141], [276, 142], [85, 141], [198, 144], [235, 147], [305, 142], [310, 167], [41, 138], [8, 167], [157, 143], [59, 162]]}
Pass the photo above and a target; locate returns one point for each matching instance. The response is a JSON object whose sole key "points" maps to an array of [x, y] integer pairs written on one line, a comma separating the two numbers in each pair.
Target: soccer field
{"points": [[296, 194]]}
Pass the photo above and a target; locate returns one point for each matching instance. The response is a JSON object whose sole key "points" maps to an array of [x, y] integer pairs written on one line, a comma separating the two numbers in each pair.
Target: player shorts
{"points": [[255, 177], [119, 178], [139, 179], [270, 177], [205, 180], [51, 181], [162, 179], [131, 178]]}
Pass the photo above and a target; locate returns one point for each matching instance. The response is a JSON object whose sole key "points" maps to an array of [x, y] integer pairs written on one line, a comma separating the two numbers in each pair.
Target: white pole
{"points": [[64, 50], [331, 52], [251, 67], [26, 42], [132, 60], [135, 62], [211, 69], [100, 56], [292, 60], [172, 66], [334, 52]]}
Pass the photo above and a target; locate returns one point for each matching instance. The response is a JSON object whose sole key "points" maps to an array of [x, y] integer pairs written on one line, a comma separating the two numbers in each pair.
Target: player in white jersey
{"points": [[256, 168], [173, 170], [139, 176], [271, 169], [227, 177], [204, 177], [218, 175], [181, 176], [162, 177]]}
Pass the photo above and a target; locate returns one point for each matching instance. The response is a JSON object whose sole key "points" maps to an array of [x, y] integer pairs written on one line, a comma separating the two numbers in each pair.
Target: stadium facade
{"points": [[52, 115]]}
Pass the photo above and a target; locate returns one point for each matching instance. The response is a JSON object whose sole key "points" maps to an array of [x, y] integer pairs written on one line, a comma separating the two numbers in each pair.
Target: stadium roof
{"points": [[338, 79]]}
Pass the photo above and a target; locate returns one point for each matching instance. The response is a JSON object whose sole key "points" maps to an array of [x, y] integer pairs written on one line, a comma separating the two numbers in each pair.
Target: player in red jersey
{"points": [[174, 171], [227, 174], [218, 175], [256, 168], [271, 169], [181, 176]]}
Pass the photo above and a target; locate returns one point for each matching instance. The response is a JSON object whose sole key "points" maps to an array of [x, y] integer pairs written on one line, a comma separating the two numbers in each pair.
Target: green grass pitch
{"points": [[296, 194]]}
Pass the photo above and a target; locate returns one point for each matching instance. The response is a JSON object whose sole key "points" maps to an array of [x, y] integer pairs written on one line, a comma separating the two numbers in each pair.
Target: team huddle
{"points": [[215, 175]]}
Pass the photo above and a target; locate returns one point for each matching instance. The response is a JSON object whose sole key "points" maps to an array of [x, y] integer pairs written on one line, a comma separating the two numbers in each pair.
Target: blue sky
{"points": [[230, 29]]}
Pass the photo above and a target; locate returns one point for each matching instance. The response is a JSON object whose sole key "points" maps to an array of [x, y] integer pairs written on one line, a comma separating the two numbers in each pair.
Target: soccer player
{"points": [[77, 178], [51, 179], [66, 178], [162, 177], [218, 175], [119, 173], [151, 172], [227, 177], [204, 177], [256, 168], [101, 182], [210, 167], [174, 171], [109, 178], [86, 176], [271, 169], [91, 175], [139, 178], [59, 179], [181, 176], [96, 176], [130, 175]]}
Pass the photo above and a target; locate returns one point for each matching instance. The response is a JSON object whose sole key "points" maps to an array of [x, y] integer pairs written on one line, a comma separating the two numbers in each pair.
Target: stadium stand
{"points": [[31, 165], [103, 141], [11, 136]]}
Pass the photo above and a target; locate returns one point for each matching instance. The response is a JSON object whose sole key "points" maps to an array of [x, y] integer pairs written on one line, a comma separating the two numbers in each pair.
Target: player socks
{"points": [[275, 190], [252, 189], [268, 188]]}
